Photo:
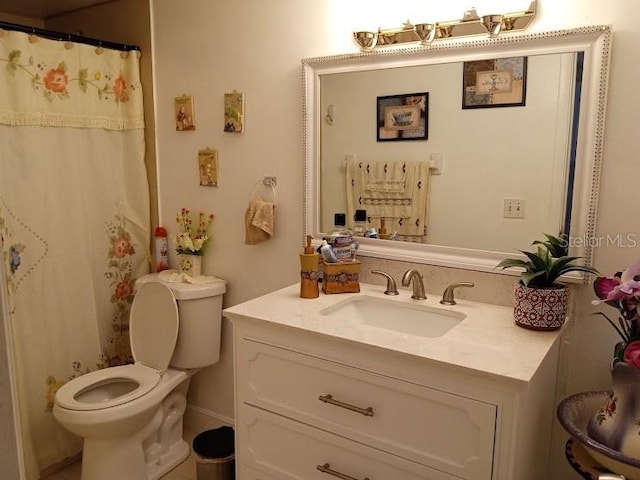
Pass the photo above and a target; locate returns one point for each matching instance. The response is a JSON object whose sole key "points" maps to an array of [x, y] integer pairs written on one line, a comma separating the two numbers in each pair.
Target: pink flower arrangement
{"points": [[622, 292]]}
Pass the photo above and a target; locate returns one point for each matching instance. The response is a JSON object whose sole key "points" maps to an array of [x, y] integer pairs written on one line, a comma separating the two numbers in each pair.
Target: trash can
{"points": [[215, 457]]}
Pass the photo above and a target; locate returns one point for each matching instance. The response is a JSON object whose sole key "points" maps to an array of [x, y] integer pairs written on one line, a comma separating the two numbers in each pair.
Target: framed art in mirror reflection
{"points": [[403, 117]]}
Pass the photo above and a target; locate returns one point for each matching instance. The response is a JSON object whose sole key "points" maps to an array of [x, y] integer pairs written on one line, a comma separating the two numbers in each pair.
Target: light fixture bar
{"points": [[470, 24]]}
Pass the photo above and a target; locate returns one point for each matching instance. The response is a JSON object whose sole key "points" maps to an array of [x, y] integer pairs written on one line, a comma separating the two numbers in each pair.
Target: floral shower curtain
{"points": [[74, 219]]}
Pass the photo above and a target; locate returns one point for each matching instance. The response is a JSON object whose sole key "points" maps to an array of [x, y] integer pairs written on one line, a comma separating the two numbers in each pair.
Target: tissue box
{"points": [[341, 277]]}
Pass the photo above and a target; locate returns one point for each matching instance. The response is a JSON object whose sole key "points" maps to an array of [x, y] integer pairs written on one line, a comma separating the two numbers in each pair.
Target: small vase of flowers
{"points": [[191, 240]]}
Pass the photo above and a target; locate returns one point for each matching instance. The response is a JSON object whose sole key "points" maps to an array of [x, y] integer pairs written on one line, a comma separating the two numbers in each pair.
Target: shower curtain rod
{"points": [[71, 37]]}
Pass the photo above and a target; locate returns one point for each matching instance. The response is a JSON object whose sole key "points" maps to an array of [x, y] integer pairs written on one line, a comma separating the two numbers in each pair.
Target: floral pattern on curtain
{"points": [[74, 220]]}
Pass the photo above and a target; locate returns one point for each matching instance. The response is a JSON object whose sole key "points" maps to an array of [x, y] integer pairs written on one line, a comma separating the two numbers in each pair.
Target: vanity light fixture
{"points": [[470, 24]]}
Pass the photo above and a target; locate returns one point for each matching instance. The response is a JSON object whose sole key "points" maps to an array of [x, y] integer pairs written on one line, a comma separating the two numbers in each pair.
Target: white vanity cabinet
{"points": [[321, 405]]}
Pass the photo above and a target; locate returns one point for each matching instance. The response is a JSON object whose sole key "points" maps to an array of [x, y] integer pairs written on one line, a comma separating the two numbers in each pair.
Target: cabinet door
{"points": [[444, 431], [289, 450]]}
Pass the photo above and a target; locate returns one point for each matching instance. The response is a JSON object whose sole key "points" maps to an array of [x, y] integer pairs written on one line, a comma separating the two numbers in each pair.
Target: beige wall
{"points": [[123, 21], [209, 48]]}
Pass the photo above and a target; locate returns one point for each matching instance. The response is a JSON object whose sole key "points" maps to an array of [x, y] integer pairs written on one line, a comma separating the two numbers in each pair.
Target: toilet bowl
{"points": [[130, 416]]}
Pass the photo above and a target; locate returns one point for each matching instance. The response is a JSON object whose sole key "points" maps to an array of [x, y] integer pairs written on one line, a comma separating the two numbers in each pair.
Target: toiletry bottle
{"points": [[327, 253], [341, 238], [360, 223], [162, 249], [309, 271], [320, 262], [382, 232]]}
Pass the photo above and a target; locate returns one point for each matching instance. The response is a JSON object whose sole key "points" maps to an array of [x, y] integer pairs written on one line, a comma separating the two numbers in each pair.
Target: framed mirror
{"points": [[502, 171]]}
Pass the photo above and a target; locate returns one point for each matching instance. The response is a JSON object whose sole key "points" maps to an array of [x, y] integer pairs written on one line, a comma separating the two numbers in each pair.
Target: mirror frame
{"points": [[594, 41]]}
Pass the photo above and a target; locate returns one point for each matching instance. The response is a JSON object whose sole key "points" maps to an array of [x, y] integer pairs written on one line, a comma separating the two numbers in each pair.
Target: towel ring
{"points": [[266, 182]]}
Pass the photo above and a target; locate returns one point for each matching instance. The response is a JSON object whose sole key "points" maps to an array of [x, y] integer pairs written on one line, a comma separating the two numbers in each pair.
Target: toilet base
{"points": [[124, 460], [177, 454], [106, 459], [146, 454]]}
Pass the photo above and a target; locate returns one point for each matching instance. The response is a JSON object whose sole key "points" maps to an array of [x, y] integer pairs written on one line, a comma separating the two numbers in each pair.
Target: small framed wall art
{"points": [[234, 112], [499, 82], [184, 113], [208, 167], [403, 117]]}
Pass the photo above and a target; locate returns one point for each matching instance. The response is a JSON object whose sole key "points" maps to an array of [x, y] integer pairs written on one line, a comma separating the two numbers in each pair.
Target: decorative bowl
{"points": [[574, 413]]}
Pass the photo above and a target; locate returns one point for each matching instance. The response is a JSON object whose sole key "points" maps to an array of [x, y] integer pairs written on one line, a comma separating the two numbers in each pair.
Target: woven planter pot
{"points": [[540, 308]]}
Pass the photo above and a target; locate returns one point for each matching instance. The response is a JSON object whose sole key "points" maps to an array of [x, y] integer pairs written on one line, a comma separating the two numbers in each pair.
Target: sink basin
{"points": [[398, 316]]}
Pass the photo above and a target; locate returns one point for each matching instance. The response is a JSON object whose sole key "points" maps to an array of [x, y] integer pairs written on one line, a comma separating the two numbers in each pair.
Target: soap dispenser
{"points": [[309, 271]]}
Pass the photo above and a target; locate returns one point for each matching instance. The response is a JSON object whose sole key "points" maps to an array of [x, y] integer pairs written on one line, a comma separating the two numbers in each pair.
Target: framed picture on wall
{"points": [[499, 82], [234, 112], [403, 117], [184, 113], [208, 167]]}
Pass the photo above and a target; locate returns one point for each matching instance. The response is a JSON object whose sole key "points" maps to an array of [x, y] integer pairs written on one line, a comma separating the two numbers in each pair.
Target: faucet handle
{"points": [[447, 297], [391, 283]]}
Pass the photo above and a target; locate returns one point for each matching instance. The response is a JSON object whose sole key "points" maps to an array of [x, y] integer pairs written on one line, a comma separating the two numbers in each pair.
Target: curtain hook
{"points": [[68, 44], [99, 50], [33, 38]]}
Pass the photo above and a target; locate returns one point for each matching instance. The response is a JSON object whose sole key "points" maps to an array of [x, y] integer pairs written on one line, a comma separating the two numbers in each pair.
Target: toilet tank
{"points": [[200, 313]]}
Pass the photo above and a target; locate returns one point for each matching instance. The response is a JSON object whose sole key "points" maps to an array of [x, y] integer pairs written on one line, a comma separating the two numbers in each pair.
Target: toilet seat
{"points": [[142, 378], [153, 332]]}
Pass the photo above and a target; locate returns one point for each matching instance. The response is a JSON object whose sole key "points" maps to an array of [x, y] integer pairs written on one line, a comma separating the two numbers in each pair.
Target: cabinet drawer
{"points": [[247, 473], [289, 450], [438, 429]]}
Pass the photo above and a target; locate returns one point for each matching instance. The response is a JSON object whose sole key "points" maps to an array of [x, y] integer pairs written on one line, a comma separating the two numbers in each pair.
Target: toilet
{"points": [[130, 416]]}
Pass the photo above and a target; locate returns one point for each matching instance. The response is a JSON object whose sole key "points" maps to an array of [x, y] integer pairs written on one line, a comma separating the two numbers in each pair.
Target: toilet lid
{"points": [[153, 326]]}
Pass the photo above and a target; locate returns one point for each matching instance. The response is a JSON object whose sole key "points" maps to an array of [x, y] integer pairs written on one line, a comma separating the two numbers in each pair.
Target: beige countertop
{"points": [[486, 340]]}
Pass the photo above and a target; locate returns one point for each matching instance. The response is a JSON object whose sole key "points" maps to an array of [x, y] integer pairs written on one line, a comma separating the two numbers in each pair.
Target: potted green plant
{"points": [[540, 301]]}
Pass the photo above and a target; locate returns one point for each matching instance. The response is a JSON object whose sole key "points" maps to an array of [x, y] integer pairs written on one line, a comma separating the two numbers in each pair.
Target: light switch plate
{"points": [[514, 207]]}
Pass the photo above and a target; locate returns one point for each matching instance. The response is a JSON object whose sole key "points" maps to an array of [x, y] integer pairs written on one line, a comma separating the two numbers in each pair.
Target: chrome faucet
{"points": [[391, 283], [418, 286], [447, 297]]}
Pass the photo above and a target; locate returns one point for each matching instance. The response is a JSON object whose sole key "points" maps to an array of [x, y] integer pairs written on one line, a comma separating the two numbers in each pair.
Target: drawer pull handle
{"points": [[328, 398], [326, 468]]}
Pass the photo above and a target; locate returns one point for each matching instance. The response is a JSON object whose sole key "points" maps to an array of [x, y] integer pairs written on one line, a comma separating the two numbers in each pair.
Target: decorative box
{"points": [[341, 277]]}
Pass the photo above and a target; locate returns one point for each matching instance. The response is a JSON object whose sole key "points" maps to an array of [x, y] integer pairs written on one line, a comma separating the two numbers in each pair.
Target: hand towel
{"points": [[259, 220], [406, 213], [389, 177]]}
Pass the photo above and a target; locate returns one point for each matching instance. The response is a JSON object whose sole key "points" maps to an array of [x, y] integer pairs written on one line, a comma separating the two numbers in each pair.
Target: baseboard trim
{"points": [[62, 464], [198, 419]]}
